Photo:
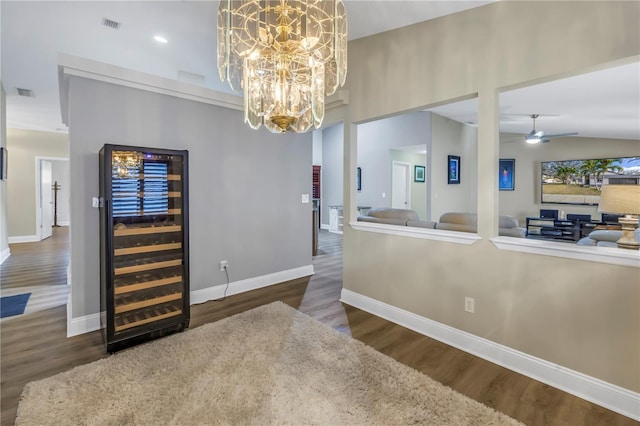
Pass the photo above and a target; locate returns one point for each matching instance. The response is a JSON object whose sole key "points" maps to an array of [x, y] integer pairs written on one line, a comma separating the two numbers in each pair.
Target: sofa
{"points": [[508, 226], [604, 238], [402, 217], [460, 222]]}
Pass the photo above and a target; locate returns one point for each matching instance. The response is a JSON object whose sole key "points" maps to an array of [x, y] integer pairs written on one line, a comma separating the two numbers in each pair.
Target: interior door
{"points": [[400, 189], [46, 199]]}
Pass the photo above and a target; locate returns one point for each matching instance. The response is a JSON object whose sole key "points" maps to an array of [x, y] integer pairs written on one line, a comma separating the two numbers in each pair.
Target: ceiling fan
{"points": [[539, 136]]}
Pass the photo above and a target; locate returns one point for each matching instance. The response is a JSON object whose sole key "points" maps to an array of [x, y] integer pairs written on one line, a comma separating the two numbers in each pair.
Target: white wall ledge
{"points": [[610, 255], [423, 233]]}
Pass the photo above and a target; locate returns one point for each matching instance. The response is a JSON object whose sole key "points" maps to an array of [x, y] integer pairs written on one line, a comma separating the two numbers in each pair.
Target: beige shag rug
{"points": [[270, 365]]}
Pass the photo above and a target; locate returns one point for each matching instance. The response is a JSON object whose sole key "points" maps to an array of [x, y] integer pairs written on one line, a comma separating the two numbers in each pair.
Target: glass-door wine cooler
{"points": [[144, 244]]}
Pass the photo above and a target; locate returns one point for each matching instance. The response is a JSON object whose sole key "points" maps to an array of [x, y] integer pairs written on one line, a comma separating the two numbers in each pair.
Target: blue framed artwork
{"points": [[418, 173], [453, 169], [506, 174], [3, 163], [359, 179]]}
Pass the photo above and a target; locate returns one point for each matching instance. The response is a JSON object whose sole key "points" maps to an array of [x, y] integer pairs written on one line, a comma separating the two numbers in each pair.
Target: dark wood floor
{"points": [[35, 264], [35, 346]]}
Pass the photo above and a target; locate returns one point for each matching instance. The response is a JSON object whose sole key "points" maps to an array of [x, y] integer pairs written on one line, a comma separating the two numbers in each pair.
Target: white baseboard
{"points": [[69, 312], [235, 287], [24, 239], [4, 255], [88, 323], [324, 226], [84, 324], [64, 223], [599, 392]]}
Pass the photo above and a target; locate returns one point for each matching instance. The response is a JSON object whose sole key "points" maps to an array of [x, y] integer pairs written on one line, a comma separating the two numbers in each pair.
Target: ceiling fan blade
{"points": [[545, 140], [559, 135], [510, 140]]}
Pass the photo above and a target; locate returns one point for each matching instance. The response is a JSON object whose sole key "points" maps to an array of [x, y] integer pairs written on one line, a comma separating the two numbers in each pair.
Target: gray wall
{"points": [[450, 137], [442, 137], [4, 235], [332, 170], [418, 189], [245, 185], [317, 148], [577, 314], [375, 139], [525, 199]]}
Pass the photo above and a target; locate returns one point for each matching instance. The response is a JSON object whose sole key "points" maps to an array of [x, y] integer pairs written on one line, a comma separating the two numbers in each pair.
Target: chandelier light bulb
{"points": [[285, 56]]}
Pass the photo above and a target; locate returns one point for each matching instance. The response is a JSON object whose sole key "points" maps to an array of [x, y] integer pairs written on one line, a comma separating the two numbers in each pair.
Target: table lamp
{"points": [[623, 199]]}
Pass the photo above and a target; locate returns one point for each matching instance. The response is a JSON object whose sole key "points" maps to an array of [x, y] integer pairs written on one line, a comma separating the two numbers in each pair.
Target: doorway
{"points": [[401, 185], [39, 266], [52, 205]]}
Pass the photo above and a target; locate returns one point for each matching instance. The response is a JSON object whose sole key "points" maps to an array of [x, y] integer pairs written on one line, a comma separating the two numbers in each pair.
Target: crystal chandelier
{"points": [[285, 55]]}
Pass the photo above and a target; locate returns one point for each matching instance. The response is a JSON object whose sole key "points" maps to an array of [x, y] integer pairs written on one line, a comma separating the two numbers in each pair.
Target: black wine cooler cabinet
{"points": [[144, 244]]}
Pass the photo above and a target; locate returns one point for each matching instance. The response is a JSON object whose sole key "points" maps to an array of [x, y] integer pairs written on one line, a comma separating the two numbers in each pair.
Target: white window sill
{"points": [[611, 255], [424, 233]]}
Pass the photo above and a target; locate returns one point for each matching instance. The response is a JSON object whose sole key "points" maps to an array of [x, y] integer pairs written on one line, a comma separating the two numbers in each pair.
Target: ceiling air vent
{"points": [[109, 23], [25, 92]]}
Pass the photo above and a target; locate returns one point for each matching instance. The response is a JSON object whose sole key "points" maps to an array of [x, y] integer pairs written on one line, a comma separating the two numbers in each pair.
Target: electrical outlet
{"points": [[224, 264], [470, 305]]}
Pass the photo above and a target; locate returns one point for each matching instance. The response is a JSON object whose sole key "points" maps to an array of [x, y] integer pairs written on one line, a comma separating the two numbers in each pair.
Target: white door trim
{"points": [[46, 198], [38, 191]]}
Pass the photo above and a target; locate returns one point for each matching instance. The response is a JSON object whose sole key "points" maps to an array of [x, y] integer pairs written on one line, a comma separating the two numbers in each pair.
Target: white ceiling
{"points": [[601, 104], [606, 104]]}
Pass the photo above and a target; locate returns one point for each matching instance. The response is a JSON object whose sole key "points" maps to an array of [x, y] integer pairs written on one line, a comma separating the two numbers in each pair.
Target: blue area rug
{"points": [[13, 305]]}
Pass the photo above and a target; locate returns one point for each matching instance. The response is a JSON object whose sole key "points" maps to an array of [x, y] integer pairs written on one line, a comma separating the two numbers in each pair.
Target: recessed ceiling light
{"points": [[160, 39]]}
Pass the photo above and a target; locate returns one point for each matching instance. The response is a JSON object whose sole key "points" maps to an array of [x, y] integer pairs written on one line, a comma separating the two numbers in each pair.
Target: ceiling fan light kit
{"points": [[533, 139]]}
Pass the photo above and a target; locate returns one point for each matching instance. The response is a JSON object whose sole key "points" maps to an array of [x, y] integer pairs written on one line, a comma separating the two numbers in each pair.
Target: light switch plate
{"points": [[305, 198], [95, 202]]}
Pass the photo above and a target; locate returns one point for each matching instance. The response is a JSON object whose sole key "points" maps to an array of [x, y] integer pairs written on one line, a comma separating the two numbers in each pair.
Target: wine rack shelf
{"points": [[171, 194], [147, 230], [147, 249], [147, 267], [125, 323], [146, 285], [144, 237], [142, 213], [149, 302], [154, 177]]}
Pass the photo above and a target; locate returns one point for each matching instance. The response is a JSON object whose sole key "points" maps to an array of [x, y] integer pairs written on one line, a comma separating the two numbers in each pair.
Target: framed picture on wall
{"points": [[506, 176], [418, 173], [359, 179], [453, 169]]}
